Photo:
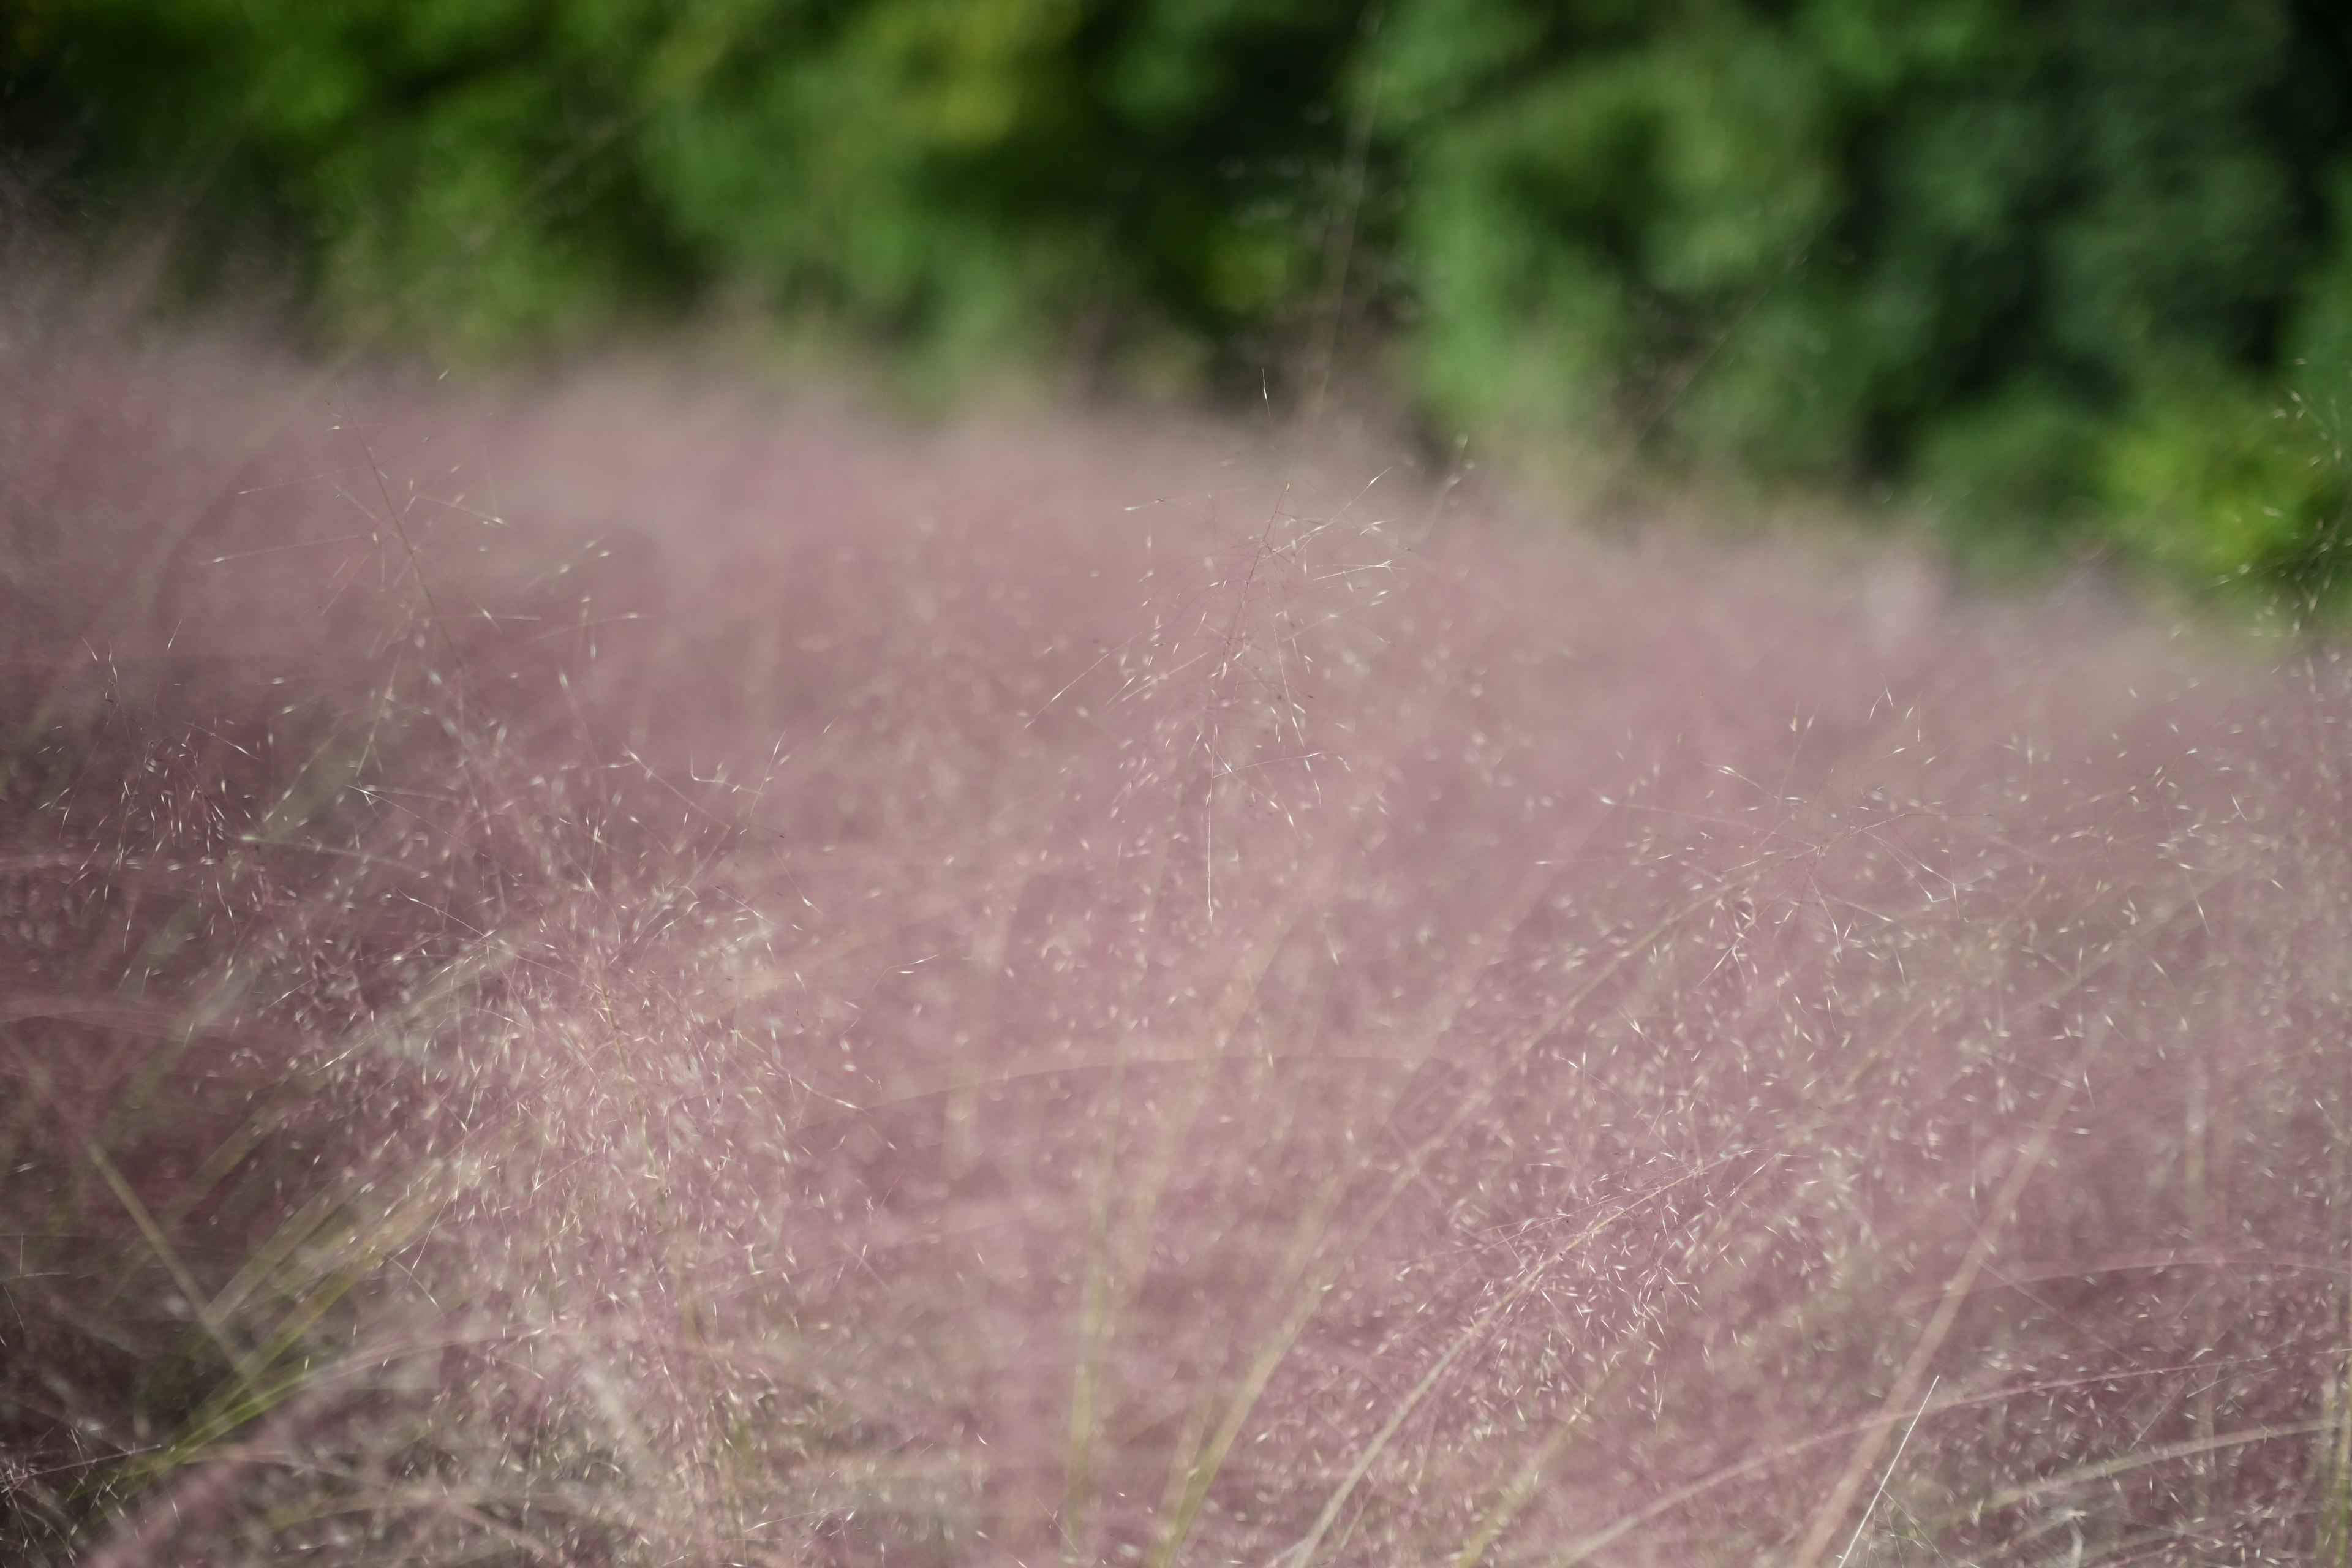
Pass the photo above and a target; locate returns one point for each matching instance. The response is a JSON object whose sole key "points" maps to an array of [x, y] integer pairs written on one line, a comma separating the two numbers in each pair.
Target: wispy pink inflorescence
{"points": [[629, 969]]}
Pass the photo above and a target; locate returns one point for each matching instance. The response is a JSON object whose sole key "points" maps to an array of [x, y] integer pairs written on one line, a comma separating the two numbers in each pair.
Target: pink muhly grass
{"points": [[630, 972]]}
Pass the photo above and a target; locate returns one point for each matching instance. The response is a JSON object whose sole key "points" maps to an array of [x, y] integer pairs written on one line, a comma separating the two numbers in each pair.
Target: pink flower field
{"points": [[626, 968]]}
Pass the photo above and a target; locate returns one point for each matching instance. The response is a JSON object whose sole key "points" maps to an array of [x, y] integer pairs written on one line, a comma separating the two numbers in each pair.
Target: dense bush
{"points": [[2069, 272]]}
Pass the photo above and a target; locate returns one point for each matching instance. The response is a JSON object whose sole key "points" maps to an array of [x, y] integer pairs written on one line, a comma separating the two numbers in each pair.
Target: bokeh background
{"points": [[2065, 277]]}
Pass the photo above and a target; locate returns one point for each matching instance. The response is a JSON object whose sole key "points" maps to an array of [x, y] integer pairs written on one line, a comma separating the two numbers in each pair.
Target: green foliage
{"points": [[2052, 266], [2215, 483]]}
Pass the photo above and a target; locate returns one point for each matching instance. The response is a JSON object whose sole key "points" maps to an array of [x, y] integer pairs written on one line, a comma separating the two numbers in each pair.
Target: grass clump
{"points": [[619, 973]]}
